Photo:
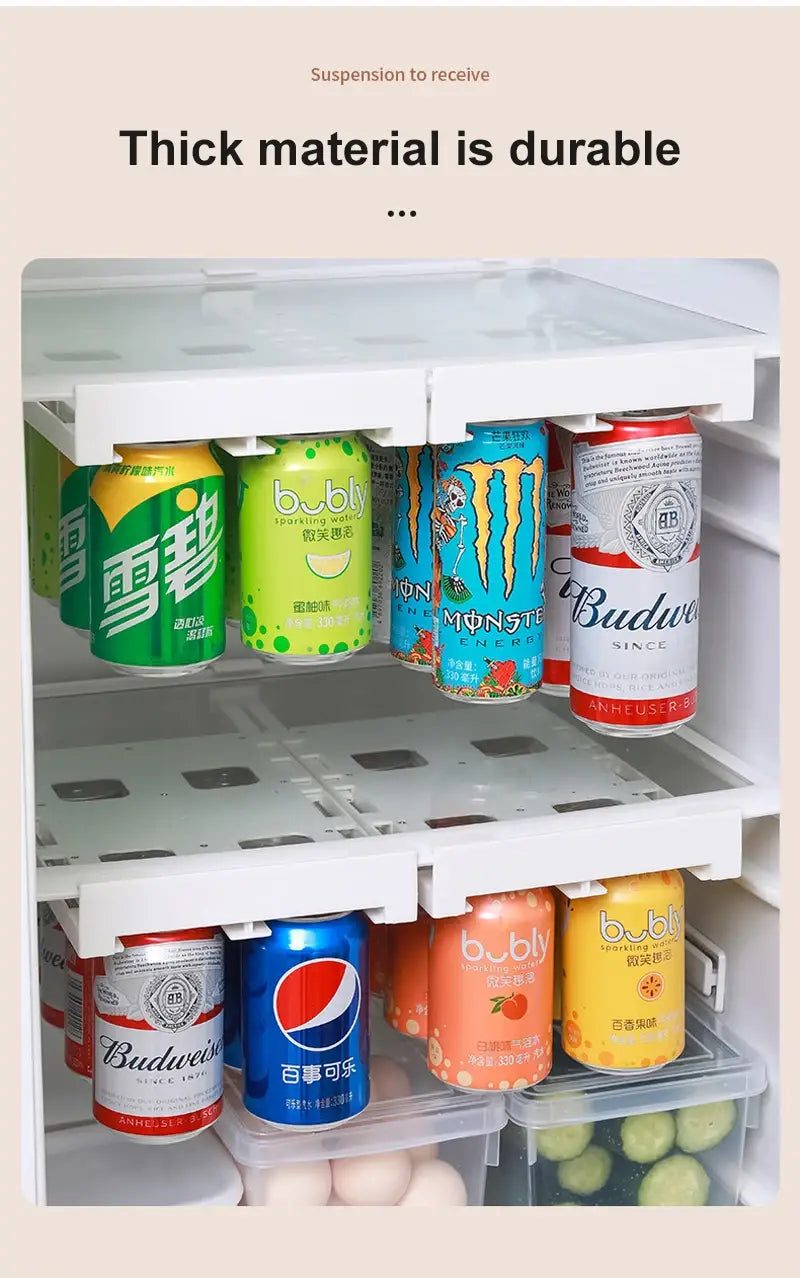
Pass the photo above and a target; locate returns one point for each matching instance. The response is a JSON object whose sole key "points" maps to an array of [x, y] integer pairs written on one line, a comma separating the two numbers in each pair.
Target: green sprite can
{"points": [[41, 468], [230, 469], [73, 544], [157, 554], [305, 528]]}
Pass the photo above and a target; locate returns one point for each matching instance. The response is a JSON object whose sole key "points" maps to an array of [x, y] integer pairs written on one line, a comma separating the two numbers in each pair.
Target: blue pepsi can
{"points": [[305, 1021], [489, 561], [412, 559], [232, 1011]]}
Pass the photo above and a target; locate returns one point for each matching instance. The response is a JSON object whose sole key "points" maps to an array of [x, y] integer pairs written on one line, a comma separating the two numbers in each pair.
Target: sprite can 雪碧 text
{"points": [[157, 555], [73, 544]]}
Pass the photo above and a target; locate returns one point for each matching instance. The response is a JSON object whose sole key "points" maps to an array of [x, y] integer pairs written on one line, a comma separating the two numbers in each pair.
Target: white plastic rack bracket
{"points": [[246, 931], [577, 891], [245, 446], [627, 378], [55, 420], [389, 406], [706, 968], [68, 915], [580, 423], [476, 867]]}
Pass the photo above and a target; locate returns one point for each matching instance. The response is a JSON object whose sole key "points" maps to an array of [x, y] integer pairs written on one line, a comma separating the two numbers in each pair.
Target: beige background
{"points": [[723, 83]]}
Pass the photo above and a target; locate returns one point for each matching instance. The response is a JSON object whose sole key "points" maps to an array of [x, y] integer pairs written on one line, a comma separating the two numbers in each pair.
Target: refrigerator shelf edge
{"points": [[367, 353], [263, 811]]}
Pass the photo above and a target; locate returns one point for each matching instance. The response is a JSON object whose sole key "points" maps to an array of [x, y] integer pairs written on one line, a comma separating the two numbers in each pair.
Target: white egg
{"points": [[295, 1185], [423, 1153], [372, 1180], [387, 1079], [435, 1184]]}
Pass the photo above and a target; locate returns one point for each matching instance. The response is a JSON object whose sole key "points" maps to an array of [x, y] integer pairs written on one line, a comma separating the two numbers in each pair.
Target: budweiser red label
{"points": [[557, 573], [159, 1039], [79, 1011], [51, 967], [635, 575]]}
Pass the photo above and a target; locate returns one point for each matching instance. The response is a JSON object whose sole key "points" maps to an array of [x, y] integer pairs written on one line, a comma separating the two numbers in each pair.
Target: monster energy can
{"points": [[489, 561], [305, 526], [157, 550], [41, 475], [233, 574], [73, 544], [412, 559]]}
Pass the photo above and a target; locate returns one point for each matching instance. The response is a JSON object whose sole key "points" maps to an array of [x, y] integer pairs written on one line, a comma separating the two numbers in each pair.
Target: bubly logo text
{"points": [[336, 500], [519, 948], [658, 926]]}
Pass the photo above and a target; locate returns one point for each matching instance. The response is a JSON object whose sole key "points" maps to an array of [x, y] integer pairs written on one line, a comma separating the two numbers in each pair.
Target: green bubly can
{"points": [[305, 535], [73, 544], [157, 555]]}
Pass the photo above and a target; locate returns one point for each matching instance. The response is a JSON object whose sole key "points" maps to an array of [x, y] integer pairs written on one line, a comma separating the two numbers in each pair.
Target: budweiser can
{"points": [[79, 1011], [158, 1026], [51, 967], [557, 568], [623, 989], [635, 574], [490, 992], [406, 999]]}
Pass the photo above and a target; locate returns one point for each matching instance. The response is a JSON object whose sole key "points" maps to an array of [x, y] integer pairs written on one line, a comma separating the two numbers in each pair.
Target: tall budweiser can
{"points": [[158, 1050], [79, 1011], [635, 574], [51, 967], [557, 568]]}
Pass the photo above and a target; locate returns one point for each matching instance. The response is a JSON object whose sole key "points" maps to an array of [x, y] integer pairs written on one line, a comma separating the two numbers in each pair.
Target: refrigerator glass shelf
{"points": [[404, 357], [239, 799]]}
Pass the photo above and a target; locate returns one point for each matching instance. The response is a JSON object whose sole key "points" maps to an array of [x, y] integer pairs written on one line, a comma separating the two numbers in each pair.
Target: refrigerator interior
{"points": [[118, 352]]}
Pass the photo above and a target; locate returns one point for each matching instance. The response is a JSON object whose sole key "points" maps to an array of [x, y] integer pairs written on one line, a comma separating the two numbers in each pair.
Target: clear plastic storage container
{"points": [[418, 1143], [675, 1137]]}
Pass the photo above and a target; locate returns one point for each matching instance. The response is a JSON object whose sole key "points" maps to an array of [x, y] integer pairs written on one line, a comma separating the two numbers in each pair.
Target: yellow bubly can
{"points": [[623, 994]]}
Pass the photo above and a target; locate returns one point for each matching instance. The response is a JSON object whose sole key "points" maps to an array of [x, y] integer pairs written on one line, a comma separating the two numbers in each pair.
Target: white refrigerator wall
{"points": [[739, 668]]}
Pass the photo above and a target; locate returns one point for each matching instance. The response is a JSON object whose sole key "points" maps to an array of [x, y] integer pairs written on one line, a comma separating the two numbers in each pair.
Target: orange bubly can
{"points": [[378, 937], [558, 959], [406, 999], [623, 993], [490, 992]]}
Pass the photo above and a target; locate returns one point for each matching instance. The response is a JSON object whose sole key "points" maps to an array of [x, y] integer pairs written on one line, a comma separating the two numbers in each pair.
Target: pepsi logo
{"points": [[317, 1003]]}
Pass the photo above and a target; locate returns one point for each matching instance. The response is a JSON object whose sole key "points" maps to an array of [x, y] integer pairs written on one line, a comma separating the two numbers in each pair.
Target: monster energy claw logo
{"points": [[511, 471], [185, 556]]}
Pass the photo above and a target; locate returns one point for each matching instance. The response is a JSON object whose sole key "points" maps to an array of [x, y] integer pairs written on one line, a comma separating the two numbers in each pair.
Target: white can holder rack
{"points": [[402, 359], [282, 802]]}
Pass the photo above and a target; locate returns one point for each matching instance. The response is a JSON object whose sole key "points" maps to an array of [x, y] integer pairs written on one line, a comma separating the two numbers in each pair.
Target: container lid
{"points": [[714, 1065], [91, 1166], [431, 1112]]}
